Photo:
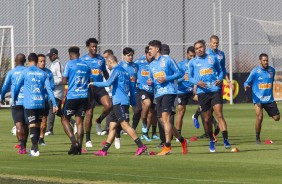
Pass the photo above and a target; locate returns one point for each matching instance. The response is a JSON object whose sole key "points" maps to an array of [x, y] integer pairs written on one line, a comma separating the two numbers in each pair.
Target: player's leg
{"points": [[107, 106], [154, 122], [259, 119], [272, 110], [19, 121], [88, 125], [180, 114], [137, 111], [44, 123], [34, 118], [146, 104]]}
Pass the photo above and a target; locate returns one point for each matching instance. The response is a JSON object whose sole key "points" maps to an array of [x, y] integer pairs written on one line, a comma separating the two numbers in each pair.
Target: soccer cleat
{"points": [[176, 140], [33, 153], [100, 153], [83, 150], [144, 130], [141, 137], [226, 144], [212, 146], [104, 132], [88, 144], [41, 142], [98, 128], [155, 137], [73, 150], [216, 131], [165, 151], [49, 133], [123, 132], [184, 147], [203, 136], [146, 137], [196, 122], [117, 143], [161, 145], [258, 141], [18, 146], [22, 151], [141, 150]]}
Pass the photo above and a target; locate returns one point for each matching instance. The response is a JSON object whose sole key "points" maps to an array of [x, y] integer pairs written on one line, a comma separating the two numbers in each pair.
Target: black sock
{"points": [[22, 144], [179, 131], [135, 119], [34, 136], [154, 130], [257, 135], [210, 134], [225, 134], [88, 136], [197, 113], [144, 123], [73, 140], [181, 139], [106, 147], [138, 142], [100, 119], [168, 144]]}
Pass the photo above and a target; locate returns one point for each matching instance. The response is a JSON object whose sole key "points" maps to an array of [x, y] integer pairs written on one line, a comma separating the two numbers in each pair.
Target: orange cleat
{"points": [[165, 151], [184, 147]]}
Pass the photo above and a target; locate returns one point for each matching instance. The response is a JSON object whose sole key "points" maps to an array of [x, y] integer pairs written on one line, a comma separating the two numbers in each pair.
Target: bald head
{"points": [[111, 61], [20, 59]]}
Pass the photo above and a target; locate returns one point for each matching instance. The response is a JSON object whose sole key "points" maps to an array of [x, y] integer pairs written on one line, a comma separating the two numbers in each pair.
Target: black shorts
{"points": [[119, 113], [99, 92], [75, 107], [18, 114], [185, 99], [165, 103], [143, 95], [34, 115], [47, 108], [59, 105], [208, 100], [271, 109]]}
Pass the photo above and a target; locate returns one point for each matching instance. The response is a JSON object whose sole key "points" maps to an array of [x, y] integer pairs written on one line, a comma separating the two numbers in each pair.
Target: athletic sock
{"points": [[100, 119], [88, 136], [197, 113], [210, 134], [135, 119], [138, 142], [179, 131], [181, 139], [257, 135], [225, 134], [154, 130], [106, 147], [22, 144], [34, 135], [168, 144]]}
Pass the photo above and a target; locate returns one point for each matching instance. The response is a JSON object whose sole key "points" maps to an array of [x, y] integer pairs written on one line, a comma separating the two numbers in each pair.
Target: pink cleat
{"points": [[100, 153], [17, 146], [22, 151], [141, 150], [83, 150]]}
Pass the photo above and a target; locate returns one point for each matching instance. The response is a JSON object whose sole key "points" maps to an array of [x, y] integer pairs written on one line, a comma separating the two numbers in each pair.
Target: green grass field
{"points": [[253, 164]]}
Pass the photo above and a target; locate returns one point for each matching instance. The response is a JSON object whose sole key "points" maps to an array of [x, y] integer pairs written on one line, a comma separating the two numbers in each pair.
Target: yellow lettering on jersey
{"points": [[145, 73], [186, 77], [265, 86], [95, 72], [206, 71], [159, 74], [132, 79]]}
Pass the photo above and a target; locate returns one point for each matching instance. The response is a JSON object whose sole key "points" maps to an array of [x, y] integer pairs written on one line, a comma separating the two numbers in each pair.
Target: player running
{"points": [[261, 80], [120, 81]]}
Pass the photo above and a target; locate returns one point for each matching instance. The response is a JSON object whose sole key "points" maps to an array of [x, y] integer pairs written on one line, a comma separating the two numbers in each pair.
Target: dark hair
{"points": [[127, 50], [91, 40], [165, 49], [262, 55], [146, 49], [33, 57], [74, 50], [109, 51], [41, 55], [112, 58], [156, 43], [191, 49], [214, 37], [20, 58], [201, 42]]}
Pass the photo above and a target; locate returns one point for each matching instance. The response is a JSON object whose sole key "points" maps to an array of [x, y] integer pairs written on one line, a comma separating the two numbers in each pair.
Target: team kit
{"points": [[155, 86]]}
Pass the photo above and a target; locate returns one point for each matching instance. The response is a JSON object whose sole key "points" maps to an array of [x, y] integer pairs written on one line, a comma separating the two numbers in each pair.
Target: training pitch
{"points": [[252, 164]]}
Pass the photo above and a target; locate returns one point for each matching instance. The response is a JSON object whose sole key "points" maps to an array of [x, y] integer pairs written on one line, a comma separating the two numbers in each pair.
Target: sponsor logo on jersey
{"points": [[258, 71], [265, 86], [162, 64], [206, 71], [99, 62], [159, 74], [210, 60], [132, 79], [145, 73], [96, 72], [259, 78]]}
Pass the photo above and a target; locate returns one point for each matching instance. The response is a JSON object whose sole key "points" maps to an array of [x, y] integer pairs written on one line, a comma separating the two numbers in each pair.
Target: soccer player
{"points": [[41, 64], [145, 95], [120, 81], [261, 80], [184, 88], [77, 75], [206, 73], [17, 106], [98, 70], [34, 82], [56, 69], [163, 72]]}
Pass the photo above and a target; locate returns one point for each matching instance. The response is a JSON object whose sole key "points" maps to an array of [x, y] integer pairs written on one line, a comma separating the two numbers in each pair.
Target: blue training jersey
{"points": [[34, 82], [184, 86], [206, 69], [11, 80], [51, 80], [78, 74], [97, 66], [261, 81], [220, 57], [120, 81], [132, 70], [143, 75], [164, 66]]}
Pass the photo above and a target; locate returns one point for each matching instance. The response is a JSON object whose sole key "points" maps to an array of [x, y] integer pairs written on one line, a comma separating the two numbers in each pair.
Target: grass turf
{"points": [[253, 164]]}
